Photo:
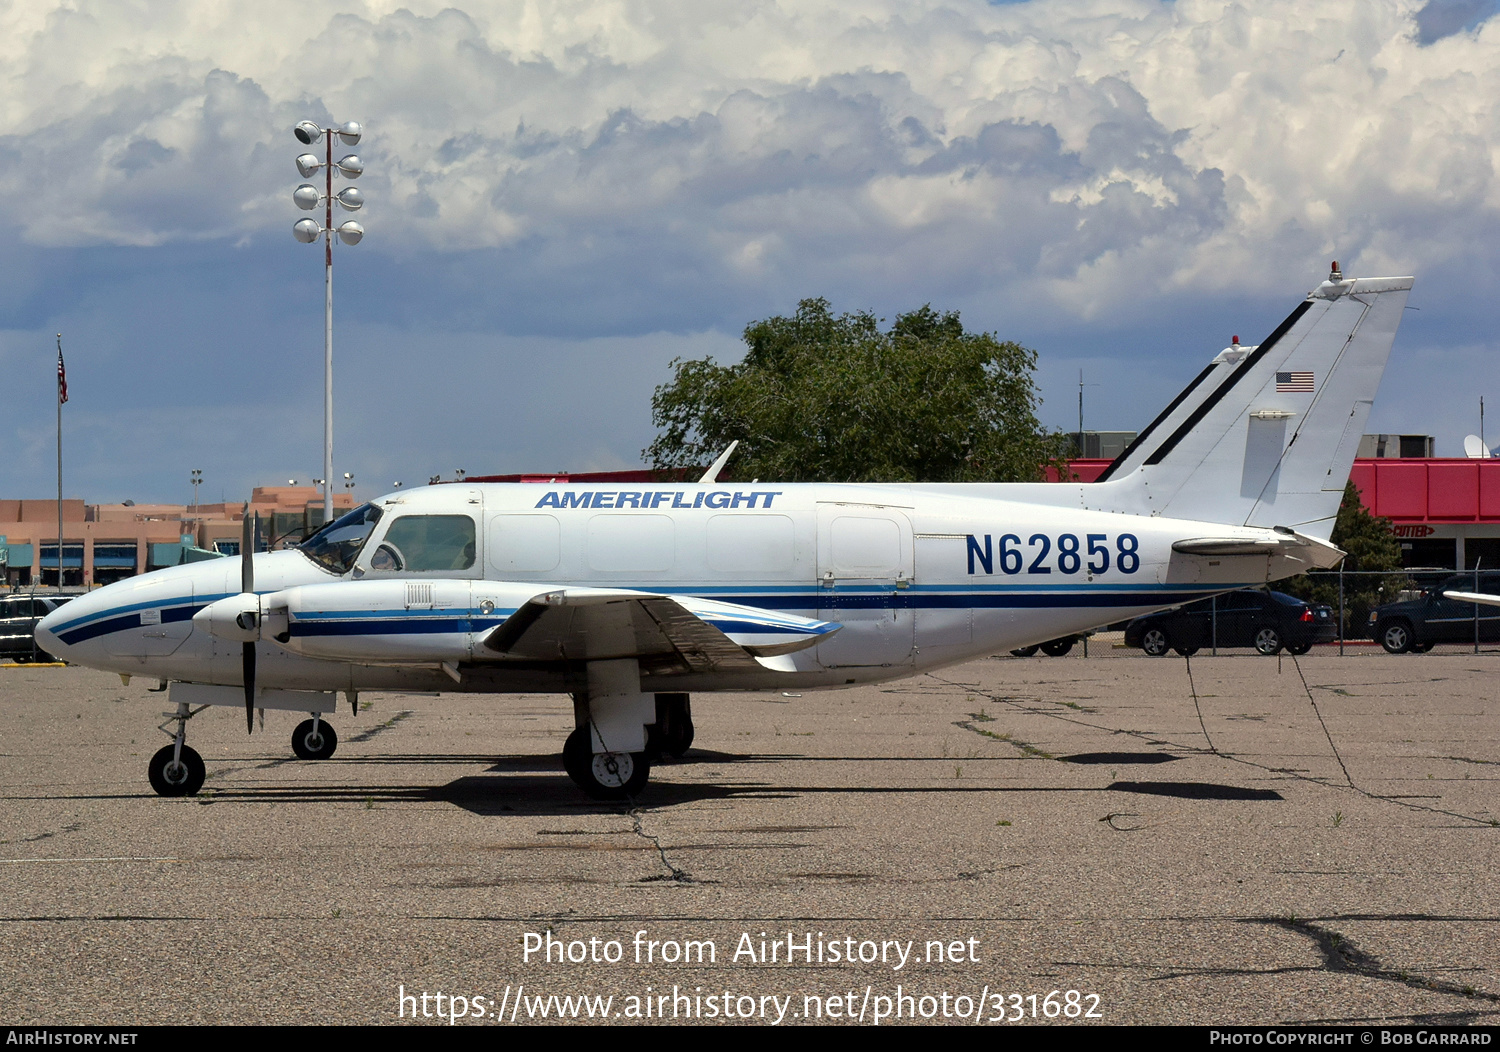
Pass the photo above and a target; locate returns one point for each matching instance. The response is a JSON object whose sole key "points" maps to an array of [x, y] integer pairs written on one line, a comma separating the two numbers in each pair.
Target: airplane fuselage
{"points": [[917, 580]]}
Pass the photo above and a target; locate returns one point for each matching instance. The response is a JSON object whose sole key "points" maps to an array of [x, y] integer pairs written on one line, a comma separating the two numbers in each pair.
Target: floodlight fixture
{"points": [[351, 199]]}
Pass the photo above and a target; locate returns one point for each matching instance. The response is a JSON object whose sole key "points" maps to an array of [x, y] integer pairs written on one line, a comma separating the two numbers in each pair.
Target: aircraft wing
{"points": [[1474, 597], [602, 624]]}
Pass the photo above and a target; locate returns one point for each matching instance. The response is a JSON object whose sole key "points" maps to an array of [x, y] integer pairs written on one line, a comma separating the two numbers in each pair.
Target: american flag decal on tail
{"points": [[1294, 383]]}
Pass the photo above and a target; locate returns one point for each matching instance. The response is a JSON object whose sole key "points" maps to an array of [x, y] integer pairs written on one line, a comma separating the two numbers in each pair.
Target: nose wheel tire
{"points": [[1024, 651], [604, 776], [1057, 647], [182, 777], [314, 743]]}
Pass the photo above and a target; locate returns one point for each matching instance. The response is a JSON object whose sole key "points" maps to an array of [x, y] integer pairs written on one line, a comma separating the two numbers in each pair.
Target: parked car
{"points": [[19, 615], [1267, 621], [1052, 648], [1417, 625]]}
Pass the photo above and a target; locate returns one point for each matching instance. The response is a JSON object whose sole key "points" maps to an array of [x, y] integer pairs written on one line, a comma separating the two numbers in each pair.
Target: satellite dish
{"points": [[1474, 448]]}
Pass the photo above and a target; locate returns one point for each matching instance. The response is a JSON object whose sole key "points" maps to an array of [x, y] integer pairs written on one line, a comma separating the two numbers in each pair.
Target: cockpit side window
{"points": [[337, 545], [425, 543]]}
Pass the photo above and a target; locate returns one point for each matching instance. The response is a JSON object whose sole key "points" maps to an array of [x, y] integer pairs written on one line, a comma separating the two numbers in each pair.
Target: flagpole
{"points": [[62, 389]]}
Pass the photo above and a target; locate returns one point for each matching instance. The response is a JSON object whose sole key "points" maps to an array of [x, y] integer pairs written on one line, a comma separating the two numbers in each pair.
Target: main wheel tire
{"points": [[1155, 642], [672, 733], [1299, 649], [1267, 640], [1422, 648], [1024, 651], [1057, 647], [1395, 636], [577, 751], [1186, 651], [311, 743], [604, 776], [182, 778]]}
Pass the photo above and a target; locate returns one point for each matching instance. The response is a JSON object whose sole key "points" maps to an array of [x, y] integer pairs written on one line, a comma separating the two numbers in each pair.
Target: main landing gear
{"points": [[606, 775], [177, 769]]}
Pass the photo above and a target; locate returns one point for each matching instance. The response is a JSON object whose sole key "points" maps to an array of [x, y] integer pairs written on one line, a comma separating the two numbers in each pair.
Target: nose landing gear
{"points": [[177, 770]]}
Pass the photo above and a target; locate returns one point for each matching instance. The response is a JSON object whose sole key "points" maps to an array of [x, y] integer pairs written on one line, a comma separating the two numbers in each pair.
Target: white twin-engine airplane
{"points": [[630, 599]]}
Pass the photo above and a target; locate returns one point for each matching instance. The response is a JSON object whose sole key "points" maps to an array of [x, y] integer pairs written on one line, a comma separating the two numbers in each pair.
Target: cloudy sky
{"points": [[566, 195]]}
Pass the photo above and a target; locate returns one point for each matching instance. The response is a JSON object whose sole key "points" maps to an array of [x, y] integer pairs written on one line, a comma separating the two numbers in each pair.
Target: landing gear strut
{"points": [[177, 770]]}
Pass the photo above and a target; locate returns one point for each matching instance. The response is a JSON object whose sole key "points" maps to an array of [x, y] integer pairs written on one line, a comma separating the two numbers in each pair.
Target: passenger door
{"points": [[865, 566]]}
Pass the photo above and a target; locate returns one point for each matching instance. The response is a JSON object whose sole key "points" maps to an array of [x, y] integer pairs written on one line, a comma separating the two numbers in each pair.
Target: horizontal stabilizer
{"points": [[1283, 543]]}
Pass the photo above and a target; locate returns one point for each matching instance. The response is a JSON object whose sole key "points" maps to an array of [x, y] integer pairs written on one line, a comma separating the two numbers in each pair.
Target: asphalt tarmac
{"points": [[1026, 840]]}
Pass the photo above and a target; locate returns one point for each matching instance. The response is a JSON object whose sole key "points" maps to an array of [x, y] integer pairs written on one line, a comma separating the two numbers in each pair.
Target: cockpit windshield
{"points": [[337, 545]]}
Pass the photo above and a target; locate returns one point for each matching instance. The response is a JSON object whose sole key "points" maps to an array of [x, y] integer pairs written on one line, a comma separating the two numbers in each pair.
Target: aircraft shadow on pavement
{"points": [[523, 784]]}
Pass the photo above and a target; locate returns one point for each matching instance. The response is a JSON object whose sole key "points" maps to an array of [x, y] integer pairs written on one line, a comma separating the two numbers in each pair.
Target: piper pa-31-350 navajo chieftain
{"points": [[630, 599]]}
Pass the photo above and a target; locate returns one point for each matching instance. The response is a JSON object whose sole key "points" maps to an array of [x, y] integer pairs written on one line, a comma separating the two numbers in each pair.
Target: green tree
{"points": [[1373, 552], [820, 398]]}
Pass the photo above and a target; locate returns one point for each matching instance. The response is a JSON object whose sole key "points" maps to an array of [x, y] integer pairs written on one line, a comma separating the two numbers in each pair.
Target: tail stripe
{"points": [[1239, 374], [1139, 439]]}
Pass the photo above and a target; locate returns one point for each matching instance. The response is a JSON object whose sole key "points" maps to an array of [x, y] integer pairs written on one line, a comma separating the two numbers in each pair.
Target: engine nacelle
{"points": [[391, 622]]}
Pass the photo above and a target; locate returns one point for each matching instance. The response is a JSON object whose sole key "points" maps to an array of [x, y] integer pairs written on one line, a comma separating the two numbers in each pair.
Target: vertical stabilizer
{"points": [[1269, 440]]}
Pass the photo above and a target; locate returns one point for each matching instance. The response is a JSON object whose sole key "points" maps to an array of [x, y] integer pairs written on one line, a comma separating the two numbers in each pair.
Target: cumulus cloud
{"points": [[1076, 150]]}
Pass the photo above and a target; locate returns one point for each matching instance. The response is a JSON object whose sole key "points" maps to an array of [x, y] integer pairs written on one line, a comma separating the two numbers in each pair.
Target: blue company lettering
{"points": [[662, 498], [1071, 555]]}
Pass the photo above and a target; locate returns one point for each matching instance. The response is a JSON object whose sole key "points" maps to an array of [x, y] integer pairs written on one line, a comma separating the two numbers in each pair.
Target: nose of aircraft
{"points": [[75, 630], [50, 630]]}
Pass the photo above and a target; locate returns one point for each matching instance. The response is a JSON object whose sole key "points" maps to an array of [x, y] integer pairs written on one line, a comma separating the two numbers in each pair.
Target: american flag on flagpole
{"points": [[62, 374], [1294, 383]]}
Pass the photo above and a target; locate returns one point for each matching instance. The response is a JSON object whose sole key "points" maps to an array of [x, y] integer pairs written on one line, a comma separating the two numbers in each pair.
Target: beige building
{"points": [[107, 542]]}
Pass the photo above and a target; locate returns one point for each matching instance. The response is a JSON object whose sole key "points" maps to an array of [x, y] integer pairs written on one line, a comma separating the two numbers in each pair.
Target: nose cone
{"points": [[46, 634], [75, 630], [122, 626]]}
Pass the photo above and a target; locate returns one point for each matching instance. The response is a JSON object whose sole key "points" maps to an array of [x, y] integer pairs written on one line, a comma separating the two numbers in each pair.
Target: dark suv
{"points": [[19, 615], [1417, 625], [1264, 620]]}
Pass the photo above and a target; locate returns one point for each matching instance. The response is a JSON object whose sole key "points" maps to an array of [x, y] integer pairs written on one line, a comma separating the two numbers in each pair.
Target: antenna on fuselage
{"points": [[712, 474]]}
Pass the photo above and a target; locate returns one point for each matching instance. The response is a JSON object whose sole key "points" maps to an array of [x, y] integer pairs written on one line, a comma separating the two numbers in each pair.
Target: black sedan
{"points": [[1267, 621], [19, 615]]}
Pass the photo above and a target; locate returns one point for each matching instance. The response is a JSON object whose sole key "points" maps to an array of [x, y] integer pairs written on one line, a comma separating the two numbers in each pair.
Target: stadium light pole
{"points": [[351, 199]]}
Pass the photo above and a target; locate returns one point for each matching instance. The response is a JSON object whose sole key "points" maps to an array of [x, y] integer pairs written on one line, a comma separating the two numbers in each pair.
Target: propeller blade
{"points": [[248, 663], [248, 531], [247, 543]]}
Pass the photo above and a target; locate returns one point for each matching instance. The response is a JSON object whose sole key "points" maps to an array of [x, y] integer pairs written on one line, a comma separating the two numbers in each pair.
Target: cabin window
{"points": [[524, 543], [636, 543], [424, 543], [750, 543]]}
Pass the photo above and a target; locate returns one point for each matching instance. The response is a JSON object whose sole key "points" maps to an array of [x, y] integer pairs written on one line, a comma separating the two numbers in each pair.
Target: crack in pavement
{"points": [[1340, 954], [674, 873]]}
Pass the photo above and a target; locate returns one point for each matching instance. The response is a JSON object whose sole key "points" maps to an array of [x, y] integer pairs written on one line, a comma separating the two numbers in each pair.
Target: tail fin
{"points": [[1268, 440]]}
